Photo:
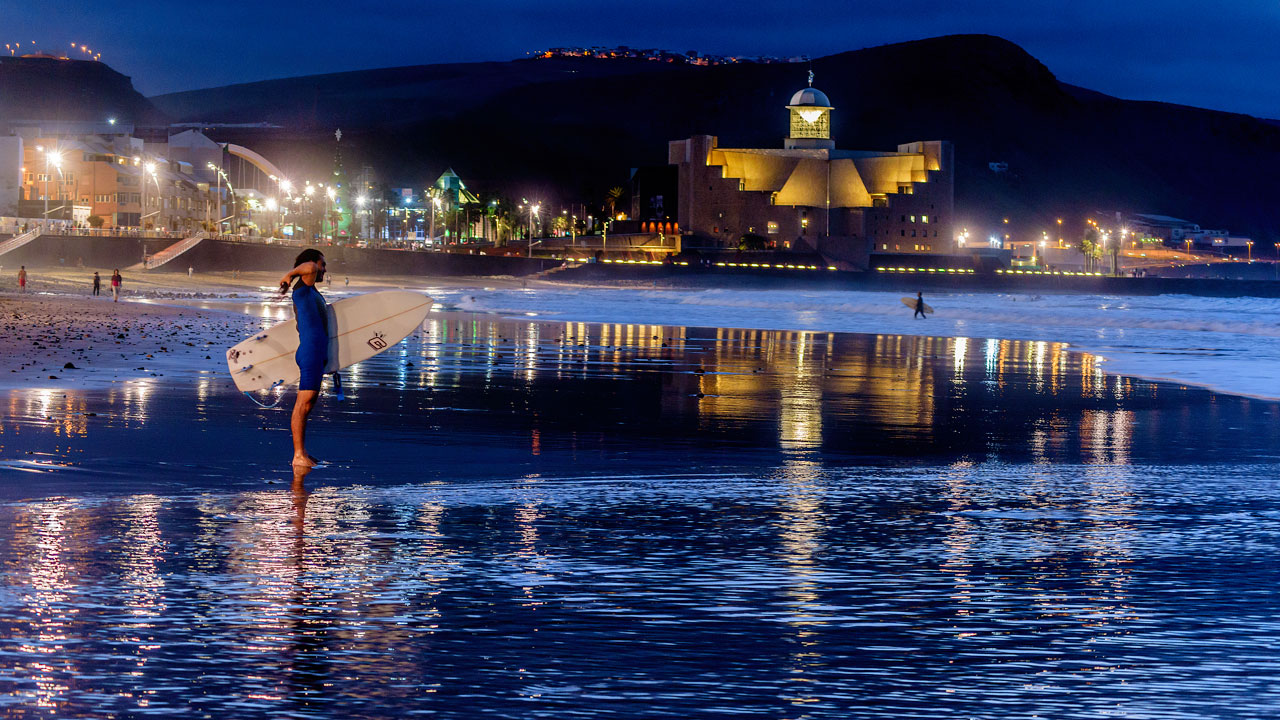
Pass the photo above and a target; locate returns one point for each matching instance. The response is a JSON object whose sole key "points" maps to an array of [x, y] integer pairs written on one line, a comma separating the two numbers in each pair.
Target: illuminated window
{"points": [[773, 228], [924, 219], [913, 218], [810, 122]]}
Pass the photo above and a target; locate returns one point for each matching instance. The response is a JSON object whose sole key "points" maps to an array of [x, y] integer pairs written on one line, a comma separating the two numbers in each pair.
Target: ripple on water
{"points": [[987, 591]]}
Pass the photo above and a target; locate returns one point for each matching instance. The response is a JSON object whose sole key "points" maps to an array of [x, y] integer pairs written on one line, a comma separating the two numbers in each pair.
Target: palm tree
{"points": [[611, 199]]}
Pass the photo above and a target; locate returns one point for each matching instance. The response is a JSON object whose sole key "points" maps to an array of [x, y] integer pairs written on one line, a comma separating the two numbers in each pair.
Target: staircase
{"points": [[18, 241], [173, 251]]}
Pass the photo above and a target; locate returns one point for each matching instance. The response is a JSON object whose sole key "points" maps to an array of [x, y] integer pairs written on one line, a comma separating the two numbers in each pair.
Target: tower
{"points": [[810, 125]]}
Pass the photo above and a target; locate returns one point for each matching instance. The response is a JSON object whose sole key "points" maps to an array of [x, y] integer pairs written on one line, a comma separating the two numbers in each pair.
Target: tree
{"points": [[751, 242], [611, 200], [95, 221], [1090, 246]]}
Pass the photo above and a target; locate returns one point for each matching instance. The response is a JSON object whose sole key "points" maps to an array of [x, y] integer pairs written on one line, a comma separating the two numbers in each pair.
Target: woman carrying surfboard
{"points": [[313, 343]]}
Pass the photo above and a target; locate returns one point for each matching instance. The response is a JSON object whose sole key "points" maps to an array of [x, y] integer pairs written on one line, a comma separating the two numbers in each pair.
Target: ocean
{"points": [[626, 503]]}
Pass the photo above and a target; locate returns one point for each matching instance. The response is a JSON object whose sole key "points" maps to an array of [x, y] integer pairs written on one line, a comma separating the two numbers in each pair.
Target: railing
{"points": [[18, 241], [173, 251]]}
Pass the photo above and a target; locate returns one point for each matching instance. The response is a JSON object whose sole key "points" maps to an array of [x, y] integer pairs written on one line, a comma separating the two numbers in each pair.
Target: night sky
{"points": [[1221, 55]]}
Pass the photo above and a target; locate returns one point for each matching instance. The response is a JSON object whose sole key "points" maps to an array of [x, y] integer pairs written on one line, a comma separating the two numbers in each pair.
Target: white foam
{"points": [[1229, 344]]}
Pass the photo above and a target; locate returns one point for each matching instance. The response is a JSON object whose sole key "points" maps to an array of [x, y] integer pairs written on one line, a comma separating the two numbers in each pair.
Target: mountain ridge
{"points": [[565, 129]]}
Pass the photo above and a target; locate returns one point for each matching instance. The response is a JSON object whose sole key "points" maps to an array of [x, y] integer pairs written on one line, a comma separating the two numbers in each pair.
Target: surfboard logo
{"points": [[376, 342]]}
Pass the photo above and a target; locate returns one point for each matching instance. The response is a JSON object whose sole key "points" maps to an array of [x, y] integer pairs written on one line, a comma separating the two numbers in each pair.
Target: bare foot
{"points": [[303, 461]]}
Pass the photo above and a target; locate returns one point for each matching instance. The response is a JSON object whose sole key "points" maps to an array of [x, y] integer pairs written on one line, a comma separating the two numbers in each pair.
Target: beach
{"points": [[523, 511]]}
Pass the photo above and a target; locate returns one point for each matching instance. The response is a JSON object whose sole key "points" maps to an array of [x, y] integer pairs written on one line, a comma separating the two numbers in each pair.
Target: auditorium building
{"points": [[848, 205]]}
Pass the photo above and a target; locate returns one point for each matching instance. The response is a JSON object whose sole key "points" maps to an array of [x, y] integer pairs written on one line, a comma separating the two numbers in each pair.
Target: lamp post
{"points": [[309, 191], [361, 200], [329, 194], [1249, 244], [533, 213], [432, 207], [274, 207], [56, 157], [151, 170]]}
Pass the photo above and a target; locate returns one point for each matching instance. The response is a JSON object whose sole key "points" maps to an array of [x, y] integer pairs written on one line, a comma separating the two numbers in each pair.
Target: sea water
{"points": [[1230, 344], [527, 516]]}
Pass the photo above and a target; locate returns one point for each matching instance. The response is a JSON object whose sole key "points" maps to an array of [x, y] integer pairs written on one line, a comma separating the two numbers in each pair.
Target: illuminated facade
{"points": [[99, 170], [845, 204]]}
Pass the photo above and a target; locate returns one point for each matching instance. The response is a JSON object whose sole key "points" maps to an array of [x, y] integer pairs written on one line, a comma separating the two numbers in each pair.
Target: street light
{"points": [[1249, 245], [533, 213], [330, 194], [150, 169], [56, 158], [309, 191]]}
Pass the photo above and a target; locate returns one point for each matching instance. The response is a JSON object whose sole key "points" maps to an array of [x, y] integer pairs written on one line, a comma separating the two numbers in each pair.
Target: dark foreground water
{"points": [[524, 520]]}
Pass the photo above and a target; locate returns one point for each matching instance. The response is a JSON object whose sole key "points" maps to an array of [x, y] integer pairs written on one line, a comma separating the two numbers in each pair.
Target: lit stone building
{"points": [[807, 195]]}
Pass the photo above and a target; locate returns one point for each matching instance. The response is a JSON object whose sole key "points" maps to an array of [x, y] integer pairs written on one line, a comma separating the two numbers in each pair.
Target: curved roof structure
{"points": [[254, 159], [810, 96]]}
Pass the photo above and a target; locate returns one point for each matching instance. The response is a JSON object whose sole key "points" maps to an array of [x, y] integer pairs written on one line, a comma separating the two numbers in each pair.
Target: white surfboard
{"points": [[359, 328]]}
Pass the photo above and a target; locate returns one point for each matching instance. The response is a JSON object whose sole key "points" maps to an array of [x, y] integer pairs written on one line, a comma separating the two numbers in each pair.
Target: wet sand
{"points": [[163, 323]]}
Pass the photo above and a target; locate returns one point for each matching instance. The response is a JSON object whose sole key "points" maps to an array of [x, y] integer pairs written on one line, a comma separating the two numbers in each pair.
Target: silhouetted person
{"points": [[919, 307], [97, 284]]}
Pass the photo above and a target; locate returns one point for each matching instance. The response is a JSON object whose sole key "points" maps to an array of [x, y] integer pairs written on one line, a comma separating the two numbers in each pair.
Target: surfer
{"points": [[919, 307], [97, 284], [313, 342]]}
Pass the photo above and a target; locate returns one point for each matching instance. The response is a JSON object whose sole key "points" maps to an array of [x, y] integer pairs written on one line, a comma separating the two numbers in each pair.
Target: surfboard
{"points": [[359, 328], [911, 303]]}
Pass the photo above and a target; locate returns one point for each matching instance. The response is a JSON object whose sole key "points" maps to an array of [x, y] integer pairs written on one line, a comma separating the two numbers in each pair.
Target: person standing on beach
{"points": [[919, 307], [313, 343], [116, 282], [22, 278], [97, 284]]}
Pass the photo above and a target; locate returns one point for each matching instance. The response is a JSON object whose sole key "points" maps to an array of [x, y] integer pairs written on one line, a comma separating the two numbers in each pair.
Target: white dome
{"points": [[810, 96]]}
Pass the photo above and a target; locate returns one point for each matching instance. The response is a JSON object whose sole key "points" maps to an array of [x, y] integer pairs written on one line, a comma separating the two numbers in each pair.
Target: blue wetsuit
{"points": [[313, 335]]}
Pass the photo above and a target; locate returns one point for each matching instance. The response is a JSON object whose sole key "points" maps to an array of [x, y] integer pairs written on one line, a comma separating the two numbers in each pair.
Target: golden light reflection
{"points": [[801, 526], [46, 531]]}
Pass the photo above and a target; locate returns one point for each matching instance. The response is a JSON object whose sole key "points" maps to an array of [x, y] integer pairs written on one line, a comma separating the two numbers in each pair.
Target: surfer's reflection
{"points": [[308, 665]]}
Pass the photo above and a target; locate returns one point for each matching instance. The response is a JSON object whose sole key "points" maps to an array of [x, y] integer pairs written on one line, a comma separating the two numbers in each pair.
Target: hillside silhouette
{"points": [[40, 89], [565, 129]]}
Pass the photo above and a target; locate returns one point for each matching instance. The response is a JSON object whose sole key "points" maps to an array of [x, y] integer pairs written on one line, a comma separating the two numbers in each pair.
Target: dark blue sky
{"points": [[1223, 55]]}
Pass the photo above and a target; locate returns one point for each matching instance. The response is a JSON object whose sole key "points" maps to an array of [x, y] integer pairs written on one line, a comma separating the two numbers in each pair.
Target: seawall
{"points": [[909, 283], [107, 253]]}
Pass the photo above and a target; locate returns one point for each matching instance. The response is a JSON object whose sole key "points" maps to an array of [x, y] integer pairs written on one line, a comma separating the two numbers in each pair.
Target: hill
{"points": [[39, 88], [565, 129]]}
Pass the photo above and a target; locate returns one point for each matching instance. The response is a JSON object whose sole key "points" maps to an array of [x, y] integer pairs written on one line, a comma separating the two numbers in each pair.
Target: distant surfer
{"points": [[97, 284], [313, 343], [919, 307]]}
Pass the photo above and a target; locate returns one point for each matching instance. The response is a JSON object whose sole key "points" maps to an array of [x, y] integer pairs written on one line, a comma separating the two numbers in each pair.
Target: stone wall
{"points": [[221, 255]]}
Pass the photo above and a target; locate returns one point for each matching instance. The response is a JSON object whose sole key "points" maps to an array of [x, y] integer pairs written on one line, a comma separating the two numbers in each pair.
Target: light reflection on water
{"points": [[546, 519], [987, 591]]}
